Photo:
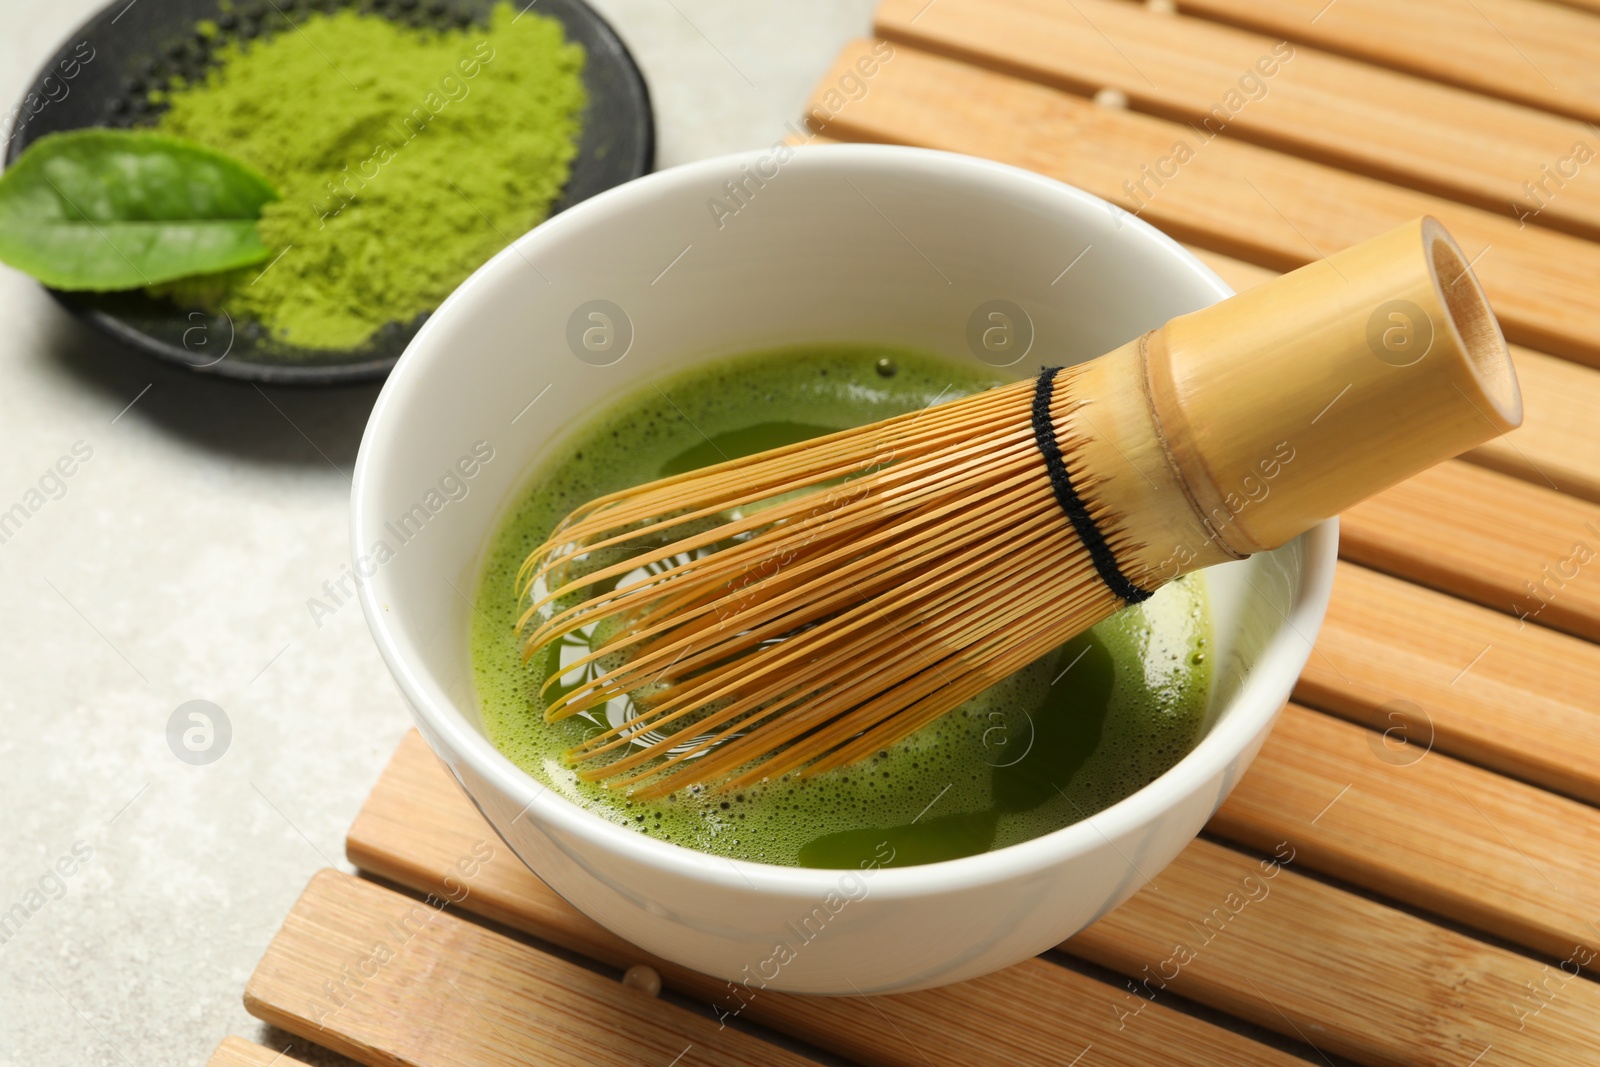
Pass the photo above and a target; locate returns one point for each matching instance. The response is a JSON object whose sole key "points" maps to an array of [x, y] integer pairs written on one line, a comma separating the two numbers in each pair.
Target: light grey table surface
{"points": [[176, 563]]}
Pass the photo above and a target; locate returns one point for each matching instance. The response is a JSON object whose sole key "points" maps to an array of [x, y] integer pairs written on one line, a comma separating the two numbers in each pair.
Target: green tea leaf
{"points": [[100, 209]]}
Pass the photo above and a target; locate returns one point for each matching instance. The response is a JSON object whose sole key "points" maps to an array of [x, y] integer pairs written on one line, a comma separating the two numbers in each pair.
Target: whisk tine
{"points": [[648, 510], [777, 639], [759, 610]]}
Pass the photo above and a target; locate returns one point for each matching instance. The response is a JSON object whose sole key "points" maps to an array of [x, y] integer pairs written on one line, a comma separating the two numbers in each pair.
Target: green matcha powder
{"points": [[406, 158]]}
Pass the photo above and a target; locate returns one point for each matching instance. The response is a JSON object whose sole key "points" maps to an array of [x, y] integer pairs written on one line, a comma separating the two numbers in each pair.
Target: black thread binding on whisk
{"points": [[1044, 435]]}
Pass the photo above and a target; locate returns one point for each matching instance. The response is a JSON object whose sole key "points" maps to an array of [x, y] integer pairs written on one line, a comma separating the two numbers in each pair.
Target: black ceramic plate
{"points": [[133, 47]]}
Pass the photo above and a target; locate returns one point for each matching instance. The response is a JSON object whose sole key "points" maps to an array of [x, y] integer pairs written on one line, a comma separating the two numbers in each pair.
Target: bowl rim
{"points": [[1254, 707]]}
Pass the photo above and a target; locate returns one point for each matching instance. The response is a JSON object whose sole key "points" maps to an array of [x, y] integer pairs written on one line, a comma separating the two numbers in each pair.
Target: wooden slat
{"points": [[416, 826], [1558, 443], [1469, 680], [1539, 54], [1327, 958], [237, 1052], [1472, 681], [1308, 102], [392, 981], [1349, 975], [1241, 199], [1418, 826], [1487, 537]]}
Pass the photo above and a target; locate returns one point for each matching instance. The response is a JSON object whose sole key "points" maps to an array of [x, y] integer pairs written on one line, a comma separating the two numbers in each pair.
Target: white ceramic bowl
{"points": [[845, 243]]}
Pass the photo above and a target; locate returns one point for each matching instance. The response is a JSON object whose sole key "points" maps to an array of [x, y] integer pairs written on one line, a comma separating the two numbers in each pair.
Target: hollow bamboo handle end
{"points": [[1295, 400]]}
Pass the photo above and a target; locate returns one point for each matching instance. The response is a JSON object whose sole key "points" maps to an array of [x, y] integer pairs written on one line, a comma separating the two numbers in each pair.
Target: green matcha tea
{"points": [[1069, 735]]}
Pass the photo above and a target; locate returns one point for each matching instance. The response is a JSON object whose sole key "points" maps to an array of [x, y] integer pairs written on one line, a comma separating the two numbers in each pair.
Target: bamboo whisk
{"points": [[809, 606]]}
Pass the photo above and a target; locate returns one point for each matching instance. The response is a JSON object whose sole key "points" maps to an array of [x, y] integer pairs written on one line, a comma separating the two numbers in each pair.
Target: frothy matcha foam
{"points": [[1059, 740]]}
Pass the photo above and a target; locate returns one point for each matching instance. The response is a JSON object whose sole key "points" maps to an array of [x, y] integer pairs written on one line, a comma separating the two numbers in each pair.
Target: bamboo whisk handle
{"points": [[1285, 405]]}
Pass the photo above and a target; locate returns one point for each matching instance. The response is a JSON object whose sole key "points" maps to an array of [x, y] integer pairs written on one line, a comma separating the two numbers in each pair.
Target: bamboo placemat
{"points": [[1430, 795]]}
